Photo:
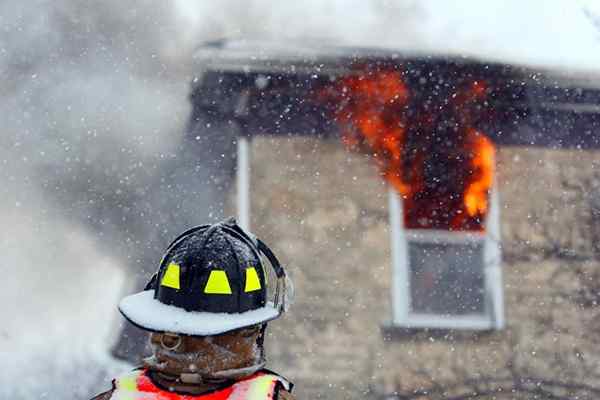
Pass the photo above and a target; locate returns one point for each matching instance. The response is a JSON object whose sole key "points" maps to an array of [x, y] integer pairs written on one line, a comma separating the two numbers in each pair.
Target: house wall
{"points": [[324, 211]]}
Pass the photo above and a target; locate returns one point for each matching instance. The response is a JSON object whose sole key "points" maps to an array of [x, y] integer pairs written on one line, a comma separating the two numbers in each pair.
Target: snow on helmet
{"points": [[211, 280]]}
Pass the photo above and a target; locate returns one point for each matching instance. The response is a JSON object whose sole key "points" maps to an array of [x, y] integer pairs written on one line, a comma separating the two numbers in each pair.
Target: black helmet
{"points": [[211, 280]]}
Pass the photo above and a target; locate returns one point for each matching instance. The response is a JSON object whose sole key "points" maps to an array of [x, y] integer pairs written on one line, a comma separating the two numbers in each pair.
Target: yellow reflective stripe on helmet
{"points": [[252, 280], [171, 276], [217, 283]]}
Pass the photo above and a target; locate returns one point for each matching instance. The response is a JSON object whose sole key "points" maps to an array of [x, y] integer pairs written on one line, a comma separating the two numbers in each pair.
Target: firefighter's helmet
{"points": [[211, 280]]}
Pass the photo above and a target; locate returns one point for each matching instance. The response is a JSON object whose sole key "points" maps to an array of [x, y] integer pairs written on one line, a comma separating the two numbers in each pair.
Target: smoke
{"points": [[93, 180]]}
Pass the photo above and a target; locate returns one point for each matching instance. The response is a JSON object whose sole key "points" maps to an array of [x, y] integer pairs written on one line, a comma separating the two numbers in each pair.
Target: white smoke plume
{"points": [[93, 108]]}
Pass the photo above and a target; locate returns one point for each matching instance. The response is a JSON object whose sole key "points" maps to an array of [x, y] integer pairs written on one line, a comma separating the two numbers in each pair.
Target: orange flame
{"points": [[477, 192], [432, 155]]}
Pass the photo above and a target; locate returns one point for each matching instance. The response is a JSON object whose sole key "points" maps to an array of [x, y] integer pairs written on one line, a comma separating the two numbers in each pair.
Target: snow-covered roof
{"points": [[311, 56], [288, 55], [554, 35]]}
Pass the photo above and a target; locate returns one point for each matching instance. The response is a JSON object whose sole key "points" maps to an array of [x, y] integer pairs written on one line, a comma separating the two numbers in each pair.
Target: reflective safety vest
{"points": [[136, 385]]}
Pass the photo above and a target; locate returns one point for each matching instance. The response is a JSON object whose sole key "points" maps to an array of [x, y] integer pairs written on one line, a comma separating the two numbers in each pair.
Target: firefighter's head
{"points": [[207, 304], [218, 357]]}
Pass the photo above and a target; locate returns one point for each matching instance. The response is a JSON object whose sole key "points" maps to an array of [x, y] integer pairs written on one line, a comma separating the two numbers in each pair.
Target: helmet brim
{"points": [[145, 312]]}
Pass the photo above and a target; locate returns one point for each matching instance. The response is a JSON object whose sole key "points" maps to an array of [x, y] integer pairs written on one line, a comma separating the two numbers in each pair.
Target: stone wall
{"points": [[324, 211]]}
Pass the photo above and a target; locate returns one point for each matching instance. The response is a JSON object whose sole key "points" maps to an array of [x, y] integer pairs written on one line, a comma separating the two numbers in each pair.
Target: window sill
{"points": [[393, 332]]}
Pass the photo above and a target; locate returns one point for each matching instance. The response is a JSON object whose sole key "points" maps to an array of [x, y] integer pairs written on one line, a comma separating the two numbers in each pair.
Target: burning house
{"points": [[418, 201]]}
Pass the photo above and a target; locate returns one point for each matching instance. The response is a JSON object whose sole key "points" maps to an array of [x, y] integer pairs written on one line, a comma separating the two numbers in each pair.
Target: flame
{"points": [[430, 152], [477, 192]]}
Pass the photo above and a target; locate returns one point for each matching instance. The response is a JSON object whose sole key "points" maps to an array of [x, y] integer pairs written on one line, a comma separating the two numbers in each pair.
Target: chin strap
{"points": [[202, 377], [237, 373]]}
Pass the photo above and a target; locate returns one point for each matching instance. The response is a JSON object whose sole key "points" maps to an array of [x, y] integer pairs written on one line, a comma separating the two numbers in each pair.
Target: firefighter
{"points": [[207, 310]]}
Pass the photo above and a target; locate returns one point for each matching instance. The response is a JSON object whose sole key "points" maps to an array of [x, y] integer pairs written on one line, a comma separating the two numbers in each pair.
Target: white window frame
{"points": [[243, 183], [402, 315]]}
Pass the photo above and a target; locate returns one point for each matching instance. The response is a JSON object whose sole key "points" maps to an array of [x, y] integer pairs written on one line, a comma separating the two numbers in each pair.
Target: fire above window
{"points": [[429, 150]]}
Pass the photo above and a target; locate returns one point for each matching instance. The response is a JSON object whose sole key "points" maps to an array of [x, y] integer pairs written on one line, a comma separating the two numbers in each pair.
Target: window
{"points": [[446, 279]]}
